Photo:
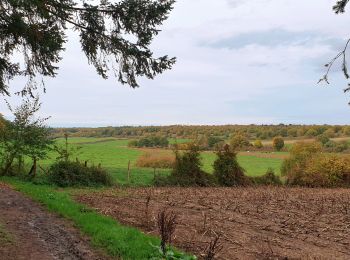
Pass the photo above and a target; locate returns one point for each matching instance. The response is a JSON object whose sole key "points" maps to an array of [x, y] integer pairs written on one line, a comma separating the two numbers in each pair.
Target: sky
{"points": [[238, 62]]}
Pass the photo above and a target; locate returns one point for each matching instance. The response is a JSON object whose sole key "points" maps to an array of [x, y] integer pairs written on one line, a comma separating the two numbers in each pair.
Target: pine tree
{"points": [[38, 30]]}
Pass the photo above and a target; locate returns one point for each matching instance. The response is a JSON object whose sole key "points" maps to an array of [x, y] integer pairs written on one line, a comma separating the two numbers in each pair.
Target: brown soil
{"points": [[29, 232], [254, 223]]}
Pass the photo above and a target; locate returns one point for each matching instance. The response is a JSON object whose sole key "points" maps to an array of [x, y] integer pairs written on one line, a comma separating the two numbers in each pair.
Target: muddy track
{"points": [[36, 234]]}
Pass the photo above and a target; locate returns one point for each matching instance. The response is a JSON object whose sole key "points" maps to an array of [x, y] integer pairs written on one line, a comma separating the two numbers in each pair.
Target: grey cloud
{"points": [[236, 3], [275, 37]]}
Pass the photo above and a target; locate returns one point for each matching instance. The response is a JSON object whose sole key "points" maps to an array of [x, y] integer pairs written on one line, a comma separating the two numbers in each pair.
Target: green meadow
{"points": [[114, 155]]}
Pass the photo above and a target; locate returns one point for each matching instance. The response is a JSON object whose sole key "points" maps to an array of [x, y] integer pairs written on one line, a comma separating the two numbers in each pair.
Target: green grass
{"points": [[253, 165], [105, 233], [179, 140], [114, 155]]}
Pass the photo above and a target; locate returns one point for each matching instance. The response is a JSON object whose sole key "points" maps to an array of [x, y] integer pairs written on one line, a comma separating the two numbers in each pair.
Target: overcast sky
{"points": [[238, 62]]}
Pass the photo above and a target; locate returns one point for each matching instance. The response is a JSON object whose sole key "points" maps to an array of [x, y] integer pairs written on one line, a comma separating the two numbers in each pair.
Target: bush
{"points": [[214, 141], [151, 141], [327, 171], [307, 166], [300, 153], [67, 173], [227, 170], [323, 139], [239, 141], [258, 144], [278, 143], [150, 160], [133, 143], [187, 171], [269, 178], [183, 146]]}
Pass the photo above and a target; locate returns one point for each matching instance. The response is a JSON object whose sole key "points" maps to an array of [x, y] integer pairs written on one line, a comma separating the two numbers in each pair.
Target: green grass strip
{"points": [[106, 233]]}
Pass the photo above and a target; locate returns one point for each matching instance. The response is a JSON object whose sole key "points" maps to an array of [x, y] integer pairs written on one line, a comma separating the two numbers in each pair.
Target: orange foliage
{"points": [[153, 160]]}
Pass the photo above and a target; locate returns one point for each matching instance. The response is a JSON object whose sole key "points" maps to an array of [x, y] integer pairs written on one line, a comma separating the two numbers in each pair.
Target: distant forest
{"points": [[262, 132]]}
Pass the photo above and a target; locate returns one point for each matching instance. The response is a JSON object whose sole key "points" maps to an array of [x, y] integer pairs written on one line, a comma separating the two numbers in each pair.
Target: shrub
{"points": [[227, 170], [133, 143], [183, 146], [327, 171], [258, 144], [336, 147], [67, 173], [323, 139], [307, 166], [214, 141], [150, 160], [269, 178], [278, 143], [187, 171], [239, 141], [150, 141], [294, 166], [341, 147]]}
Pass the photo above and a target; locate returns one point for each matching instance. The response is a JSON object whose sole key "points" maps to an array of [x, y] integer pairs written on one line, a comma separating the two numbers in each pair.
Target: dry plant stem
{"points": [[166, 227], [213, 248]]}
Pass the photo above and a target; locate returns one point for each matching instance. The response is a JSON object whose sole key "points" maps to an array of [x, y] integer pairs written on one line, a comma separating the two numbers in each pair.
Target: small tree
{"points": [[293, 167], [227, 170], [187, 169], [278, 143], [65, 152], [25, 136]]}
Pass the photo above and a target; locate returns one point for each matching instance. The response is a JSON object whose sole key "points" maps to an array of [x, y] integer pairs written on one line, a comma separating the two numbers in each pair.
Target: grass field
{"points": [[114, 155]]}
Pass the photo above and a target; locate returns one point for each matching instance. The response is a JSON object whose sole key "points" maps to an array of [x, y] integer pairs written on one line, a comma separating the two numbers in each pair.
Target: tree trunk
{"points": [[32, 171], [20, 164], [8, 165]]}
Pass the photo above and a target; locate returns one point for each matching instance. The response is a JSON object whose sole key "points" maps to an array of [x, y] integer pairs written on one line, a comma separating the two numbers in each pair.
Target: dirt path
{"points": [[29, 232]]}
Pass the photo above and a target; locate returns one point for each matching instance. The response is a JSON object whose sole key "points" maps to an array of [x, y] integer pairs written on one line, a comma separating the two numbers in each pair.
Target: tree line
{"points": [[262, 132]]}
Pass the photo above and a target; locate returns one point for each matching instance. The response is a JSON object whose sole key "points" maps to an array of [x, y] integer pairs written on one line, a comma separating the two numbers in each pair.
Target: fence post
{"points": [[129, 171]]}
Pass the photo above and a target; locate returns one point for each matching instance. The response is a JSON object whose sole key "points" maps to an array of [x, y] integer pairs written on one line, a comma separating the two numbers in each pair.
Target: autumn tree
{"points": [[278, 143], [239, 141], [114, 35], [258, 144]]}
